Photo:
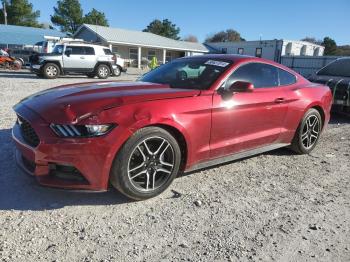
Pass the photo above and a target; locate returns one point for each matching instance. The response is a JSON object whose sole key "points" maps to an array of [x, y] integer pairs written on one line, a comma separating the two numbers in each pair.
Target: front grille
{"points": [[28, 132], [67, 172]]}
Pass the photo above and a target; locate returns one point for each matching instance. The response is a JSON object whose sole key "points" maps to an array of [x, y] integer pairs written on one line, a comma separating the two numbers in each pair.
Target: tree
{"points": [[330, 46], [230, 35], [20, 12], [95, 17], [164, 28], [343, 50], [191, 38], [312, 40], [68, 15]]}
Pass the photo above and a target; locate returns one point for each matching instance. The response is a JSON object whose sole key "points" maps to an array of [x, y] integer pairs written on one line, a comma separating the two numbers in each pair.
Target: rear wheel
{"points": [[117, 71], [103, 71], [51, 71], [308, 132], [147, 163]]}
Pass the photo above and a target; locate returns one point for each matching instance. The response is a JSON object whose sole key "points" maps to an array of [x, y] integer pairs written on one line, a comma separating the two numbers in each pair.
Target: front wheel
{"points": [[51, 71], [147, 164], [308, 132]]}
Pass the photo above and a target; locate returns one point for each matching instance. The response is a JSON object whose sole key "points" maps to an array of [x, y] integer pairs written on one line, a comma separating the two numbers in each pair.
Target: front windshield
{"points": [[189, 73], [339, 67], [58, 50]]}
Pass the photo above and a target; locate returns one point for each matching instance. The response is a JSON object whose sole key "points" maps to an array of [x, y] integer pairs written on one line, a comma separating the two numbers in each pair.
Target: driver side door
{"points": [[248, 120]]}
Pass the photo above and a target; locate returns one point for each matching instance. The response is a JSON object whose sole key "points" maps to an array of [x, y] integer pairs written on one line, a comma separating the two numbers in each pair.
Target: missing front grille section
{"points": [[67, 172], [28, 133]]}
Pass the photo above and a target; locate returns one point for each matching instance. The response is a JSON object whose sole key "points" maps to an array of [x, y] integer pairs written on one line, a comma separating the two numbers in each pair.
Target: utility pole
{"points": [[4, 11]]}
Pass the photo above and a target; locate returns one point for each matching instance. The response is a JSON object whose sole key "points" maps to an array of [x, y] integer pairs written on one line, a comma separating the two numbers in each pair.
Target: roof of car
{"points": [[84, 44]]}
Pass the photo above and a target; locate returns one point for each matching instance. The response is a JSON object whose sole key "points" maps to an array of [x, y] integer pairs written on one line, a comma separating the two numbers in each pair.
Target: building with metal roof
{"points": [[137, 46], [17, 37]]}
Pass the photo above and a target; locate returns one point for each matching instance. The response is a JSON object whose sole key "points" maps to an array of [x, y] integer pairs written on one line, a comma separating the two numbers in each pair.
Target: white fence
{"points": [[306, 65]]}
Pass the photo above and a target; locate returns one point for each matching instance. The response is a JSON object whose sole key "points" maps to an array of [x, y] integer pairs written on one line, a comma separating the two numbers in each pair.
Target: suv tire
{"points": [[118, 71], [51, 71], [103, 71]]}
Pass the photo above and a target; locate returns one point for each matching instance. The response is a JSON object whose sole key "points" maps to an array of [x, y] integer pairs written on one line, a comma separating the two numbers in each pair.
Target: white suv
{"points": [[74, 58]]}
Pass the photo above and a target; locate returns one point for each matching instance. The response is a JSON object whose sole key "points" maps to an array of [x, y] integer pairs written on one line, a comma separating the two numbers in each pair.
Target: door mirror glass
{"points": [[241, 86]]}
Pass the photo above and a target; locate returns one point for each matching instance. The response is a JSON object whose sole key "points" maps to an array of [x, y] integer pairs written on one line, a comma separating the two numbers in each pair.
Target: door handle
{"points": [[279, 100], [82, 57]]}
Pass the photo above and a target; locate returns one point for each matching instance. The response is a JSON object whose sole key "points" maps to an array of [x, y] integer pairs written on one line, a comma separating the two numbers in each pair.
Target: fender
{"points": [[146, 121]]}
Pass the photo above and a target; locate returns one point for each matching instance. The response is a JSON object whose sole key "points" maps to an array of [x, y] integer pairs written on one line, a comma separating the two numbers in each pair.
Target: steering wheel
{"points": [[181, 75]]}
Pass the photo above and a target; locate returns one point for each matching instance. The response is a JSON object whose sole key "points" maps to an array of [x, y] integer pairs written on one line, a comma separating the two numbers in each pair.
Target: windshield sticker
{"points": [[217, 63]]}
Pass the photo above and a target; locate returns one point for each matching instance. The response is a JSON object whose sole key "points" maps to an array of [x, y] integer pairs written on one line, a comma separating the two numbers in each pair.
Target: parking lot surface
{"points": [[276, 206]]}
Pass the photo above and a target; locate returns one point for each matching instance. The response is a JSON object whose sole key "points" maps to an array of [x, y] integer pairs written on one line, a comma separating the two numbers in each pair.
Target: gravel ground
{"points": [[273, 207]]}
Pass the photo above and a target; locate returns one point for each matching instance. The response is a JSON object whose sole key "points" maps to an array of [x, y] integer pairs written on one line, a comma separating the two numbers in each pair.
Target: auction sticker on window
{"points": [[217, 63]]}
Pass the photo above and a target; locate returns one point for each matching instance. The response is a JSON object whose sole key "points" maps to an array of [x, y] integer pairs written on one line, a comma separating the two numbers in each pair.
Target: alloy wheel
{"points": [[151, 164], [310, 131]]}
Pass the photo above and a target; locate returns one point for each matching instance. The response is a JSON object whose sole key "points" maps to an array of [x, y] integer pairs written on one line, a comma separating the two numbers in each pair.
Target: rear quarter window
{"points": [[107, 51], [89, 50], [286, 78]]}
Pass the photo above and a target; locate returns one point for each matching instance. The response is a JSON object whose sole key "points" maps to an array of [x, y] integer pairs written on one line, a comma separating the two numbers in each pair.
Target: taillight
{"points": [[45, 50], [114, 58]]}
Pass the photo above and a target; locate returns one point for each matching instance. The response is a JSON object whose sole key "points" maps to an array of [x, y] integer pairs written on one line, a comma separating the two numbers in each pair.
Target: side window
{"points": [[76, 50], [107, 51], [89, 50], [286, 78], [259, 74]]}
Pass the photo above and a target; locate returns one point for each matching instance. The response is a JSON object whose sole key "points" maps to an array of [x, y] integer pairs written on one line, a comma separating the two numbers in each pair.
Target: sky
{"points": [[268, 19]]}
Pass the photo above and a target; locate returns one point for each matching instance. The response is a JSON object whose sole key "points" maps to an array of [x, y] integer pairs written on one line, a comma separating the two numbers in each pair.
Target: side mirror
{"points": [[68, 53], [241, 86], [238, 86]]}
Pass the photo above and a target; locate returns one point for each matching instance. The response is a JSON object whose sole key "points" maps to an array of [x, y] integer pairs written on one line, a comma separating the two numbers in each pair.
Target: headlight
{"points": [[81, 130]]}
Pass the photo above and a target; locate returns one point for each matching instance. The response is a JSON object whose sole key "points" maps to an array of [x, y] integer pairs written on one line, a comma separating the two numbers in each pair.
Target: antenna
{"points": [[4, 11]]}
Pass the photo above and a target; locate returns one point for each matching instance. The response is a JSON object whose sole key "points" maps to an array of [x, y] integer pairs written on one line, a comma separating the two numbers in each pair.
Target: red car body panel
{"points": [[210, 126]]}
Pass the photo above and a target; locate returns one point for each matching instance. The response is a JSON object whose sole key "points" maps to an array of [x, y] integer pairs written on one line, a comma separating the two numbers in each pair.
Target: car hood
{"points": [[330, 80], [78, 101], [48, 54]]}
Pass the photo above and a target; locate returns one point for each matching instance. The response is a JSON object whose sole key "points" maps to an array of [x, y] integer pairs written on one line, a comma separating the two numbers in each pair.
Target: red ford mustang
{"points": [[188, 114]]}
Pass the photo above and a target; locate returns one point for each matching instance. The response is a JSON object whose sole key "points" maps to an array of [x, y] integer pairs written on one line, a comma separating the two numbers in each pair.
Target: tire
{"points": [[91, 75], [117, 71], [308, 132], [103, 71], [134, 163], [50, 71]]}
